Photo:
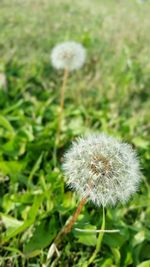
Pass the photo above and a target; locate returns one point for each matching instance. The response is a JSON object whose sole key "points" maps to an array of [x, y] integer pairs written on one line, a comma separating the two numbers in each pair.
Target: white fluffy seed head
{"points": [[68, 55], [103, 168]]}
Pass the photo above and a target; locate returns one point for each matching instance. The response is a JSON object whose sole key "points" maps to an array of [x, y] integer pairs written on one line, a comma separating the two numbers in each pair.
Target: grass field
{"points": [[109, 94]]}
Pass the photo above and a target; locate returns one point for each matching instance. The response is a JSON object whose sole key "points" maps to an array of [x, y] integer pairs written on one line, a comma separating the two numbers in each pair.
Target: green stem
{"points": [[99, 241], [62, 97], [60, 115]]}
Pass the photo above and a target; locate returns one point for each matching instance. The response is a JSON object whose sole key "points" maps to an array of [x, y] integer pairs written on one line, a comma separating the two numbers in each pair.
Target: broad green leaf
{"points": [[116, 239], [88, 239], [42, 236]]}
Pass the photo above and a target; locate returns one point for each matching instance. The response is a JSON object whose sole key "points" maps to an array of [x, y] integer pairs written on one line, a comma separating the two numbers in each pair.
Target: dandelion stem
{"points": [[65, 230], [62, 95], [68, 226], [61, 108], [75, 216]]}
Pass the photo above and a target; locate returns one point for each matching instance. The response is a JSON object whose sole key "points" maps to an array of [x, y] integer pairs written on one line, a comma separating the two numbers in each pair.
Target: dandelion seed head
{"points": [[103, 168], [68, 55]]}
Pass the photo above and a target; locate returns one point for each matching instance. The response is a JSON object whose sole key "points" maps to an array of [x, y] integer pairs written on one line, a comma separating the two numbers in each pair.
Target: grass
{"points": [[110, 94]]}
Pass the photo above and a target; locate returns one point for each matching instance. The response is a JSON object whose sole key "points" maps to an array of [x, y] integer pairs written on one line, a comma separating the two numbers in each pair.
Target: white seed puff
{"points": [[68, 55], [103, 168]]}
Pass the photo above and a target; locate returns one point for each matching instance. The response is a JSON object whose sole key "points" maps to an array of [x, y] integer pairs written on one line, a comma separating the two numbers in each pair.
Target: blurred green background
{"points": [[109, 94]]}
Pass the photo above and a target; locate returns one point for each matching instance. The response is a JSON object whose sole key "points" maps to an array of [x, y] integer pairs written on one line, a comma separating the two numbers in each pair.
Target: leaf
{"points": [[35, 207], [10, 222], [11, 148], [41, 237], [13, 249], [144, 264], [6, 124], [140, 142], [145, 251], [68, 201], [12, 168], [107, 263], [117, 255], [35, 167], [76, 125], [88, 239], [116, 239], [138, 238], [128, 258], [13, 107], [31, 218]]}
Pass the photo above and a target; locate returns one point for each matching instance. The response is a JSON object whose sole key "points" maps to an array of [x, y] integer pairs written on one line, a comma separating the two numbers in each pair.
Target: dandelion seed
{"points": [[68, 55], [103, 168]]}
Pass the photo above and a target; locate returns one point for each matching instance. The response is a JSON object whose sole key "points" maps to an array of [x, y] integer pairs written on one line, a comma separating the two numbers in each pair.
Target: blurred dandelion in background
{"points": [[68, 56]]}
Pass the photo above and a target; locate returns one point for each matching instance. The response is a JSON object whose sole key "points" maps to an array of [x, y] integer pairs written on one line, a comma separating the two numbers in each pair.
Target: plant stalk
{"points": [[99, 241], [67, 228], [62, 96]]}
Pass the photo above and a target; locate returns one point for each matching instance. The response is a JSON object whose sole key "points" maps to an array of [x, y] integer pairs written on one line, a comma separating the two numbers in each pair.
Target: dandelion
{"points": [[102, 168], [67, 56]]}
